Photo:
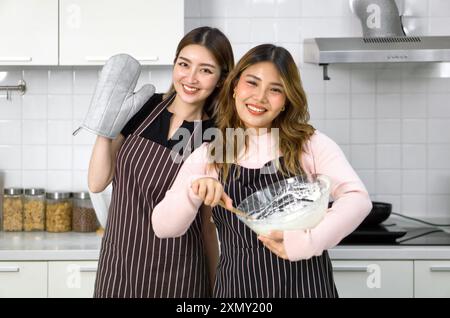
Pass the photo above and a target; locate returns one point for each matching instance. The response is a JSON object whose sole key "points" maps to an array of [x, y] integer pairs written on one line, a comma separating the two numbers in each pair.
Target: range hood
{"points": [[383, 41], [324, 51]]}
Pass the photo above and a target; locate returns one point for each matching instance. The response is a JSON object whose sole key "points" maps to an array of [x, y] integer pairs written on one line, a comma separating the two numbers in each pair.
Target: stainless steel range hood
{"points": [[324, 51], [383, 41]]}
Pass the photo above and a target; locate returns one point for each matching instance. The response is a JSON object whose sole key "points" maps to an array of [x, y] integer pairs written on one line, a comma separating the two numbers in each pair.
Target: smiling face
{"points": [[260, 95], [195, 74]]}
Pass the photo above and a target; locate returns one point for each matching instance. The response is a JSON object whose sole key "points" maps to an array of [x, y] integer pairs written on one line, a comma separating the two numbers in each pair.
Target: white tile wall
{"points": [[263, 30], [362, 131], [288, 9], [388, 105], [33, 178], [34, 132], [438, 156], [34, 106], [10, 109], [59, 107], [388, 131], [392, 122], [363, 156], [363, 106], [337, 106], [414, 156], [438, 106], [415, 105], [388, 156], [414, 131], [414, 181], [10, 132]]}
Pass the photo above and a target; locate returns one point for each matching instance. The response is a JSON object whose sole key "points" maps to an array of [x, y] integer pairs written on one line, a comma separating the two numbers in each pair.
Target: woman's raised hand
{"points": [[211, 192]]}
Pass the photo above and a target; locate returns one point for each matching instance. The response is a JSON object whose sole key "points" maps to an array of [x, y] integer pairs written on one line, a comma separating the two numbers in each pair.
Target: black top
{"points": [[158, 130]]}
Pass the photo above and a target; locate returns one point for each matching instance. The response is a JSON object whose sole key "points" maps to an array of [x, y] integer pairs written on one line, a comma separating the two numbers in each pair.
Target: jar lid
{"points": [[34, 191], [81, 195], [12, 191], [58, 195]]}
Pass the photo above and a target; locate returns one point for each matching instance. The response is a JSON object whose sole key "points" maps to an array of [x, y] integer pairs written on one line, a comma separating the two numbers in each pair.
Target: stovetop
{"points": [[392, 234]]}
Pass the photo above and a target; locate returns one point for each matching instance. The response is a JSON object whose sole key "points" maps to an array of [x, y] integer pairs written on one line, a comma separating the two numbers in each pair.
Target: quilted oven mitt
{"points": [[114, 101]]}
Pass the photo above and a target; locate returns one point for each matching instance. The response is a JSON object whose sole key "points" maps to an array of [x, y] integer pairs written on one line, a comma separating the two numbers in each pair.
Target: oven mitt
{"points": [[114, 101]]}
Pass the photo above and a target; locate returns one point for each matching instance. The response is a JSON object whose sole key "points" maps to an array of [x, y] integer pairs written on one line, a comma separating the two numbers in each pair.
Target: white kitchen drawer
{"points": [[432, 279], [72, 279], [370, 279], [23, 279]]}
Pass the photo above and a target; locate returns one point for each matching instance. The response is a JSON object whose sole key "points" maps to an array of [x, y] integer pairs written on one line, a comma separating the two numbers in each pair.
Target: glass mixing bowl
{"points": [[292, 204]]}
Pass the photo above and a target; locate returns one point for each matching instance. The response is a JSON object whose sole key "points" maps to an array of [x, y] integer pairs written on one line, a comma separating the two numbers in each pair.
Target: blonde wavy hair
{"points": [[294, 130]]}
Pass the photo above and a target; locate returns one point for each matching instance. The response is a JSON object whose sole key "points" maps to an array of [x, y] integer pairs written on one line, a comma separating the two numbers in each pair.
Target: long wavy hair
{"points": [[294, 130], [218, 44]]}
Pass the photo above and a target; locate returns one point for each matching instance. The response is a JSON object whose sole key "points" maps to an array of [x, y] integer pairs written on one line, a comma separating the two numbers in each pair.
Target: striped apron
{"points": [[247, 268], [133, 261]]}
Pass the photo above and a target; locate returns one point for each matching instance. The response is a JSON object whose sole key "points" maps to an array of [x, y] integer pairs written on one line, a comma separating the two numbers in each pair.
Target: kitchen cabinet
{"points": [[432, 279], [53, 279], [42, 264], [369, 279], [83, 32], [71, 279], [92, 31], [23, 279], [29, 32]]}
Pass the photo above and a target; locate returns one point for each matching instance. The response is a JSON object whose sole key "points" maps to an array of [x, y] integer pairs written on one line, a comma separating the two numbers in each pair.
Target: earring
{"points": [[234, 95], [283, 108]]}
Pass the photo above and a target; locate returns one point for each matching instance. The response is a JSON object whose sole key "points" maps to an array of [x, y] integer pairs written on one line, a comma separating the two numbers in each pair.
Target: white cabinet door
{"points": [[23, 279], [432, 279], [92, 31], [28, 32], [74, 279], [363, 279]]}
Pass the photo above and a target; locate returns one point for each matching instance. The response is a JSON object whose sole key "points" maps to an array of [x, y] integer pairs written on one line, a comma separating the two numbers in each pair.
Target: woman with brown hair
{"points": [[264, 95], [142, 162]]}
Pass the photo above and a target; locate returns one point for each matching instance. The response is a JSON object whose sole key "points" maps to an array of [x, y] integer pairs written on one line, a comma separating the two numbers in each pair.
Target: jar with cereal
{"points": [[12, 209], [84, 218], [59, 212], [34, 209]]}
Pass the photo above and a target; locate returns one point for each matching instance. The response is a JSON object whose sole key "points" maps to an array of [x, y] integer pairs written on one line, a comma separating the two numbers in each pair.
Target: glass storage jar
{"points": [[12, 209], [59, 212], [34, 209], [84, 218]]}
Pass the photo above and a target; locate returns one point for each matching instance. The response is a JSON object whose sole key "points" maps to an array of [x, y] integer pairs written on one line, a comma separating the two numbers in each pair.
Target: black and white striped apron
{"points": [[247, 268], [133, 261]]}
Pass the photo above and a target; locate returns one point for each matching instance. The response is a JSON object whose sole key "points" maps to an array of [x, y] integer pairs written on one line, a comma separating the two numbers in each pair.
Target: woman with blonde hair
{"points": [[264, 95]]}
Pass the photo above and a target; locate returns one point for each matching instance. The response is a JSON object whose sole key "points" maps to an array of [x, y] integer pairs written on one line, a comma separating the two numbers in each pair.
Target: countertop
{"points": [[44, 246], [389, 252]]}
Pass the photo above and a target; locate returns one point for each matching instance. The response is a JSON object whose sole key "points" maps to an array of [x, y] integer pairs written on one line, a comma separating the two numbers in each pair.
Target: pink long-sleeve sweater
{"points": [[174, 214]]}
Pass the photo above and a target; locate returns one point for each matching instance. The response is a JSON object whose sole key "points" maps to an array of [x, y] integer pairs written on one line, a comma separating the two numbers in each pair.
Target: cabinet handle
{"points": [[9, 269], [88, 269], [350, 269], [104, 59], [438, 268], [15, 58]]}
